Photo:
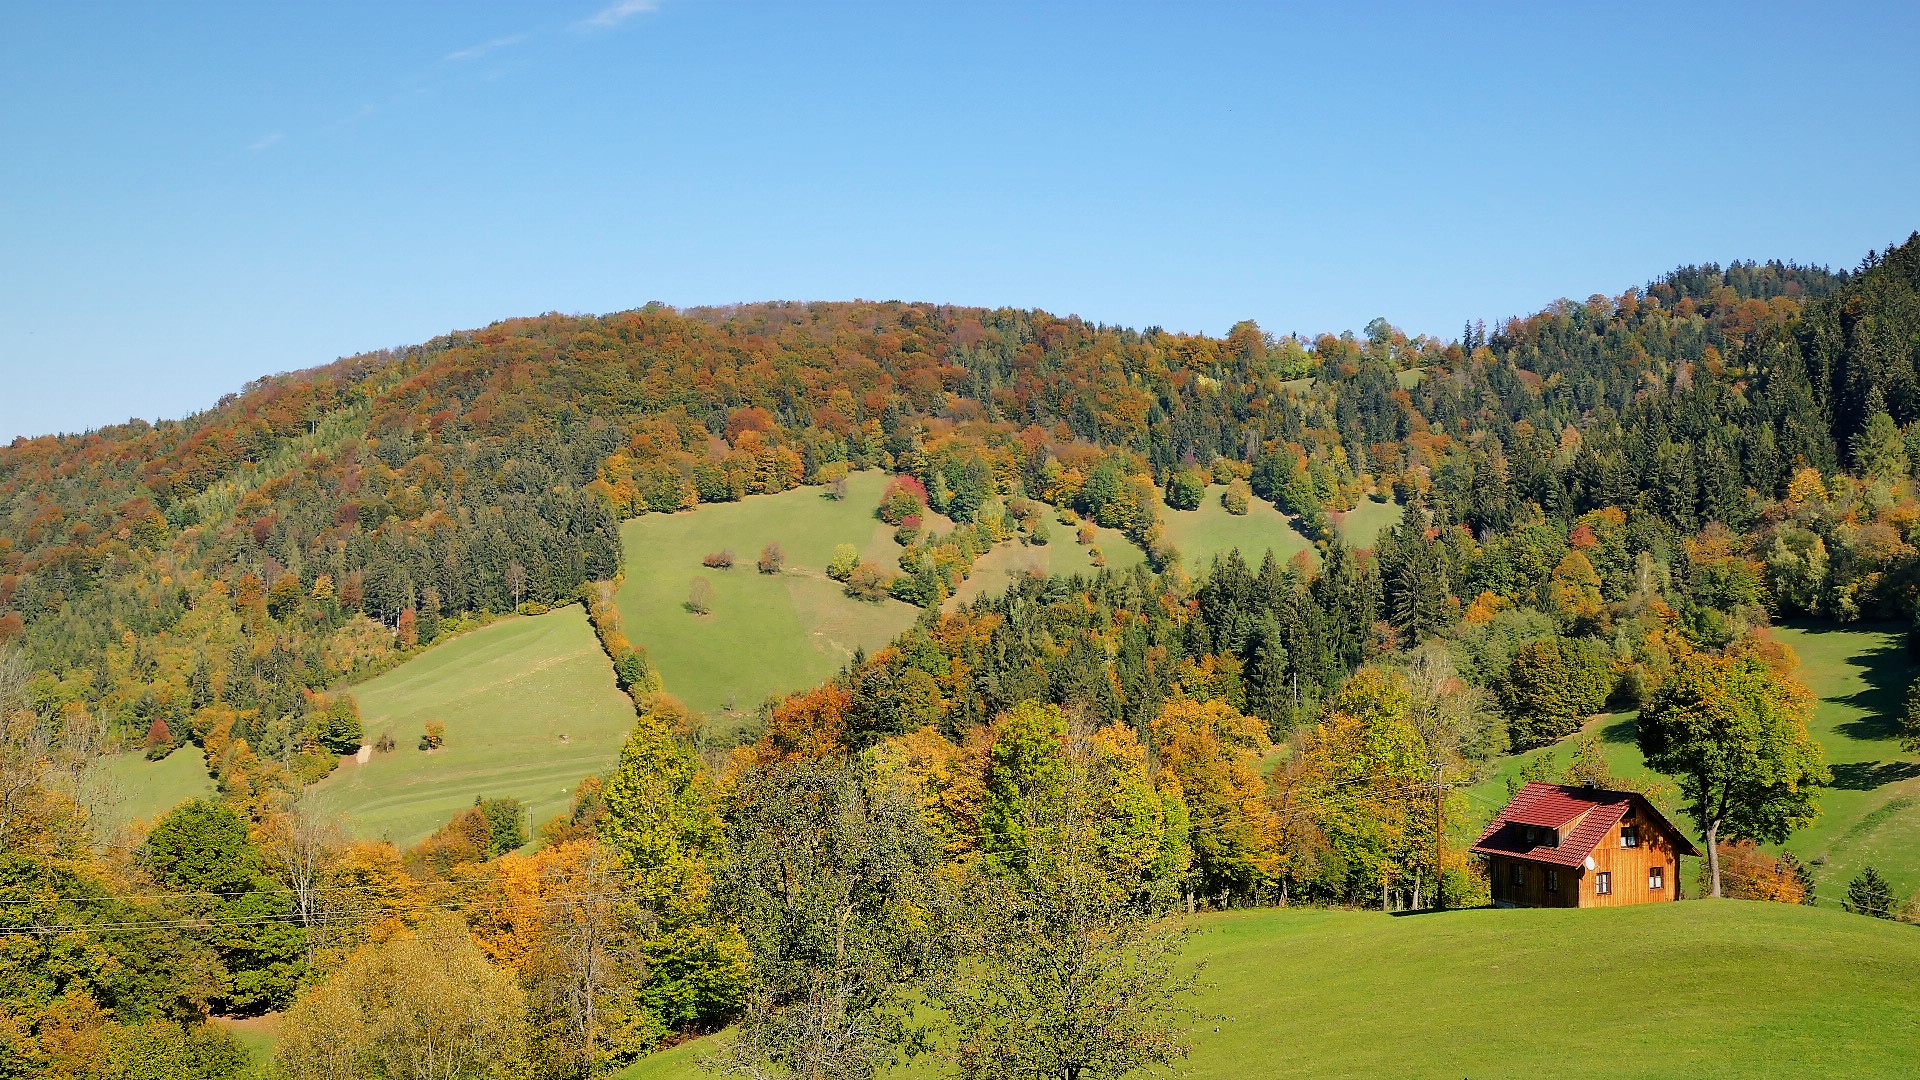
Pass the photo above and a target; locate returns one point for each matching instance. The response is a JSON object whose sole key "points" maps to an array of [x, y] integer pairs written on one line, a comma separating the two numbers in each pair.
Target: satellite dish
{"points": [[1590, 862]]}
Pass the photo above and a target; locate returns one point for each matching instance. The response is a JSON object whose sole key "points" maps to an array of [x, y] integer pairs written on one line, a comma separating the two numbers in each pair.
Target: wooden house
{"points": [[1561, 846]]}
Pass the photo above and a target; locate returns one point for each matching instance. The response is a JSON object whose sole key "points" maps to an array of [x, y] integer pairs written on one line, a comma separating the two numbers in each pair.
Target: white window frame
{"points": [[1656, 877], [1629, 836], [1603, 883]]}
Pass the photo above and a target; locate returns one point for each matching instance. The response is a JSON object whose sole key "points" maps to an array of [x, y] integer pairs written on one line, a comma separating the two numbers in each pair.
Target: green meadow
{"points": [[1703, 989], [1201, 534], [1361, 526], [1209, 531], [530, 707], [136, 789], [1871, 814], [767, 634], [1062, 557]]}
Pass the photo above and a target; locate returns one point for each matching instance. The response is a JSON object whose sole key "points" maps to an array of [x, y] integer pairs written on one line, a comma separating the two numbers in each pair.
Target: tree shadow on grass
{"points": [[1626, 729], [1887, 671], [1867, 775]]}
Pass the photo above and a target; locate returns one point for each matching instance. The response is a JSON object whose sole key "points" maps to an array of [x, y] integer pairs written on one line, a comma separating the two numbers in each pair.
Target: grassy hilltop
{"points": [[1696, 989]]}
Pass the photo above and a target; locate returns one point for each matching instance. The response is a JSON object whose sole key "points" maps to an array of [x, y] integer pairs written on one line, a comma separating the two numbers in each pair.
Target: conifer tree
{"points": [[1869, 894]]}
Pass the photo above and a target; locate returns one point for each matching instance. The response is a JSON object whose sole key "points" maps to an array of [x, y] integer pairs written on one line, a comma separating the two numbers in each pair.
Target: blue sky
{"points": [[196, 194]]}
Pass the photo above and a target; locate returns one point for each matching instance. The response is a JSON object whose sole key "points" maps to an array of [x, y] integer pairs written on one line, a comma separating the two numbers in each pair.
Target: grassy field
{"points": [[995, 570], [1871, 814], [257, 1035], [766, 634], [1201, 534], [1361, 527], [507, 693], [1701, 989], [140, 790]]}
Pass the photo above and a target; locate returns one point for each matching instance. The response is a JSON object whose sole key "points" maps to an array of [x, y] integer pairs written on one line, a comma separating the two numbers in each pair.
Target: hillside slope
{"points": [[530, 708], [1698, 989], [1860, 675]]}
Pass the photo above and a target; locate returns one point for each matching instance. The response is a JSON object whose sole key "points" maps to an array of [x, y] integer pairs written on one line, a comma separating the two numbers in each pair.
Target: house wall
{"points": [[1533, 891], [1629, 866]]}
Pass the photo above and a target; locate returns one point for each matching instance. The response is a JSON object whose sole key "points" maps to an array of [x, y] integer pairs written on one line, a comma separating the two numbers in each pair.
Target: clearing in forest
{"points": [[766, 634], [1362, 526], [1201, 534], [530, 707], [1061, 557], [135, 789]]}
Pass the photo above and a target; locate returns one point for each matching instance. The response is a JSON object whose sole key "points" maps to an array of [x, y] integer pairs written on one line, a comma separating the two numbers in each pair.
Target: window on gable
{"points": [[1629, 836], [1657, 877], [1553, 880], [1603, 884]]}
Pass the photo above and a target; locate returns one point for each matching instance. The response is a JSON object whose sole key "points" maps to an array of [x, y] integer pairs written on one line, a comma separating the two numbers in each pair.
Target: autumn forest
{"points": [[1608, 507]]}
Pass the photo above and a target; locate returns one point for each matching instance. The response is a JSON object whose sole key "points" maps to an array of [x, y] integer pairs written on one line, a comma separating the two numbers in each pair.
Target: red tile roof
{"points": [[1582, 815], [1547, 805]]}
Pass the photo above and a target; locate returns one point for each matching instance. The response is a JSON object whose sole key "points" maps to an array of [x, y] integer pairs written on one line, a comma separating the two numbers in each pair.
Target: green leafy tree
{"points": [[506, 824], [845, 558], [1735, 734], [337, 725], [1104, 496], [837, 884], [1072, 968], [1025, 769], [662, 818], [1869, 894], [1186, 490], [1797, 567], [1550, 685], [202, 853]]}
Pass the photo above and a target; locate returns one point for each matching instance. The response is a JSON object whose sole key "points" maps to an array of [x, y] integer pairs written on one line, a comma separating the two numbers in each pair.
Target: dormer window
{"points": [[1539, 837], [1533, 836]]}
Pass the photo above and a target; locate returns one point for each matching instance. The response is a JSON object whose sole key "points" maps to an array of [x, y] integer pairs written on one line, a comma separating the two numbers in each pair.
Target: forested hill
{"points": [[223, 569]]}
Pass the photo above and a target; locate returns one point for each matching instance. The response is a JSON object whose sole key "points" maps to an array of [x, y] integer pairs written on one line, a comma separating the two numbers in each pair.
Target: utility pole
{"points": [[1439, 834]]}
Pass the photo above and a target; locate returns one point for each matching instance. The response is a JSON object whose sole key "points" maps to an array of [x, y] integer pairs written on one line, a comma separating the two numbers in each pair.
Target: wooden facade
{"points": [[1635, 859]]}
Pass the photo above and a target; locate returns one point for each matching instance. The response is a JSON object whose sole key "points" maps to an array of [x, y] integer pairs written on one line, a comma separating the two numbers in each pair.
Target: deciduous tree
{"points": [[1735, 734], [837, 884]]}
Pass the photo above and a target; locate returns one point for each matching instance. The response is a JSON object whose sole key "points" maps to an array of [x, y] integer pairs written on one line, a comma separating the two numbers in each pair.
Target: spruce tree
{"points": [[1869, 894]]}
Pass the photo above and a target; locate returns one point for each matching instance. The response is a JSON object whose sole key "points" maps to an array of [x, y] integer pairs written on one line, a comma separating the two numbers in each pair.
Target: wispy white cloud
{"points": [[618, 12], [474, 52], [266, 140]]}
